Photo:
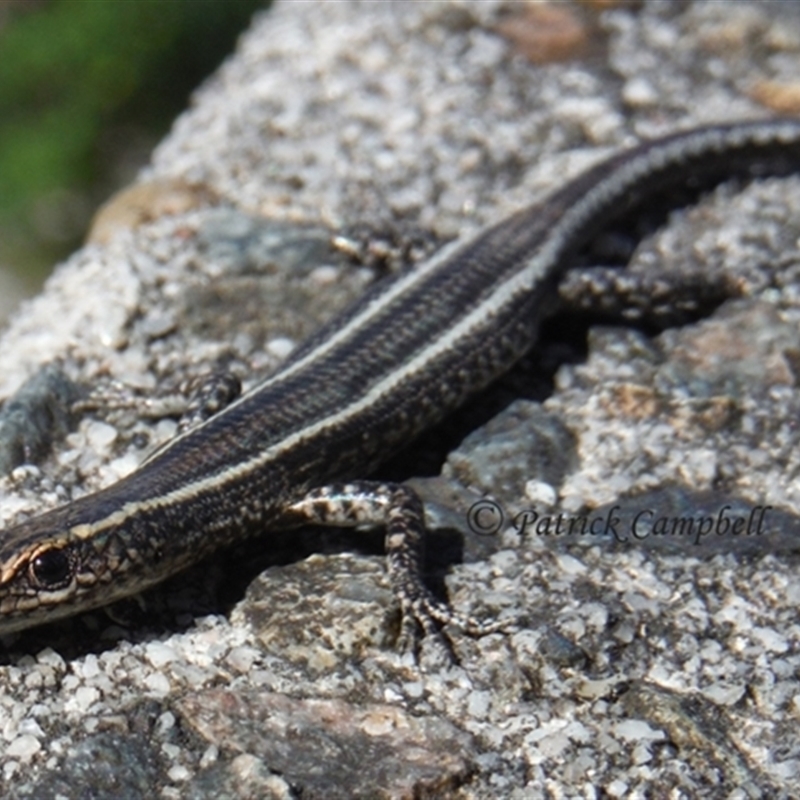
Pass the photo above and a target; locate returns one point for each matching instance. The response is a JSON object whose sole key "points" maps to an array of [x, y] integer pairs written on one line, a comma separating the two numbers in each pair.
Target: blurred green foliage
{"points": [[87, 87]]}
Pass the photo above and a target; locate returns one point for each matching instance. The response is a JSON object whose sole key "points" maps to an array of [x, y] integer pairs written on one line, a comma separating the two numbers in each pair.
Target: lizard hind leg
{"points": [[400, 510]]}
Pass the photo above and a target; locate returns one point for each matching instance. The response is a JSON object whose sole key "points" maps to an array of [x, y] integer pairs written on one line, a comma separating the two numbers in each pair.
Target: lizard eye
{"points": [[51, 568]]}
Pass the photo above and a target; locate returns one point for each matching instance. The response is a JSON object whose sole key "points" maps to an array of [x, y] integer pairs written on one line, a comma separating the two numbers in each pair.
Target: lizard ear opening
{"points": [[51, 568]]}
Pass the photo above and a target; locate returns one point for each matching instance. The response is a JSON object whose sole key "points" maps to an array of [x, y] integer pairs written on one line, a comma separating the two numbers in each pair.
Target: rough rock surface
{"points": [[641, 670]]}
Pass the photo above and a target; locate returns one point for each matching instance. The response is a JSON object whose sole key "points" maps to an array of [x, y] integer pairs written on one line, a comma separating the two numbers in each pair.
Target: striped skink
{"points": [[405, 355]]}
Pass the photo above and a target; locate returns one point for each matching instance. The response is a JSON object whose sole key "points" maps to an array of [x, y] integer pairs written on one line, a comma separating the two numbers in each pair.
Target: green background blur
{"points": [[87, 88]]}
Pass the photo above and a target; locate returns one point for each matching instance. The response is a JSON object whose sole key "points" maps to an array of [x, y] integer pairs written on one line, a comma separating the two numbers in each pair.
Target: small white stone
{"points": [[100, 436], [617, 788], [159, 654], [24, 747], [165, 723], [165, 429], [35, 679], [391, 695], [157, 683], [51, 659], [171, 751], [280, 347], [636, 730], [242, 658], [541, 492], [245, 767], [639, 92], [123, 466], [641, 754], [324, 275], [90, 667], [769, 639], [82, 699], [723, 694], [209, 757], [179, 774], [30, 727], [479, 704], [414, 689], [569, 565], [554, 746]]}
